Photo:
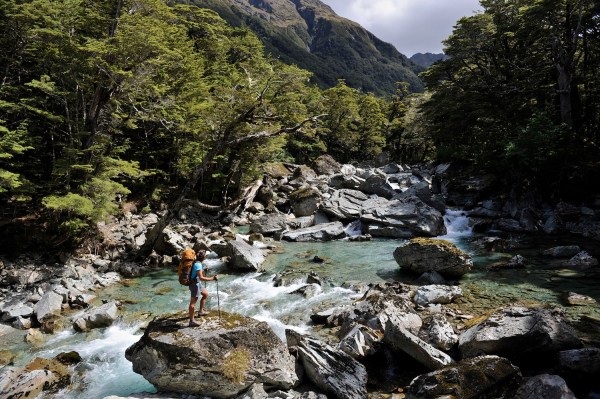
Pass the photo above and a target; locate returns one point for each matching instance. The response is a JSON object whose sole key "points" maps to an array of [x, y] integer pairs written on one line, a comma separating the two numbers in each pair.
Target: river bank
{"points": [[346, 269]]}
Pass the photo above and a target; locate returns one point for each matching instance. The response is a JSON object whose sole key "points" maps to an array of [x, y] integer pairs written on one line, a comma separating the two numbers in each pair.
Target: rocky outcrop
{"points": [[485, 376], [407, 217], [48, 307], [320, 232], [422, 255], [221, 358], [517, 332], [305, 201], [345, 204], [439, 332], [326, 165], [330, 369], [360, 341]]}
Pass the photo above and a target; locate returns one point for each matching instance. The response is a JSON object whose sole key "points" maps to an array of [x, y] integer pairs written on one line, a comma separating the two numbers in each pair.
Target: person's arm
{"points": [[202, 277]]}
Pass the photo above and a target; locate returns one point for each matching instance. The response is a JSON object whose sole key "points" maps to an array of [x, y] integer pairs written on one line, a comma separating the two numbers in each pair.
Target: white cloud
{"points": [[411, 25]]}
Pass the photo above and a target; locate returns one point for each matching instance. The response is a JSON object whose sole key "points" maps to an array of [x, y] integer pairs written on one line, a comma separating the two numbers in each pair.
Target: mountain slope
{"points": [[427, 59], [309, 34]]}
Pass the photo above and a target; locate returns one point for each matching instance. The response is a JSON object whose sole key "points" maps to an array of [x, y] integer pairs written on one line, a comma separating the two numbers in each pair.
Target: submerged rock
{"points": [[566, 251], [330, 369], [574, 299], [435, 294], [518, 331], [221, 358], [421, 255], [581, 261], [484, 376]]}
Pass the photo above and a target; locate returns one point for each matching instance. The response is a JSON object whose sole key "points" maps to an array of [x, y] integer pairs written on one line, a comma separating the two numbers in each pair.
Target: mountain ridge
{"points": [[310, 34]]}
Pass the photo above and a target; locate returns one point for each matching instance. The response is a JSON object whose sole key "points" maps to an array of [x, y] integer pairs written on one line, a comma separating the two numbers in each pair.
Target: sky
{"points": [[412, 26]]}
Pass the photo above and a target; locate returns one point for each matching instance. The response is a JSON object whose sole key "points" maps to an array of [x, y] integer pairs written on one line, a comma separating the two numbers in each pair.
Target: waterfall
{"points": [[457, 224]]}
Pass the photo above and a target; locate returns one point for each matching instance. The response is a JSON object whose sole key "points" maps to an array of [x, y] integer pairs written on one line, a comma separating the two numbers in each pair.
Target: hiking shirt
{"points": [[195, 269]]}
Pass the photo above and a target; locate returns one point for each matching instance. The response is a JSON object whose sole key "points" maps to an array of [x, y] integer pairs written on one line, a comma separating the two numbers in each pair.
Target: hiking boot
{"points": [[193, 324], [202, 313]]}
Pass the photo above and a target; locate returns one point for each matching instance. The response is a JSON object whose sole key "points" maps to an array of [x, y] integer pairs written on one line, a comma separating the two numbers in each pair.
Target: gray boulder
{"points": [[401, 340], [439, 332], [378, 185], [269, 224], [48, 307], [330, 369], [17, 310], [485, 376], [433, 294], [517, 332], [326, 165], [305, 201], [320, 232], [565, 251], [544, 386], [581, 261], [422, 255], [221, 358], [579, 362], [99, 317], [410, 215], [244, 256], [345, 204], [40, 378], [360, 341]]}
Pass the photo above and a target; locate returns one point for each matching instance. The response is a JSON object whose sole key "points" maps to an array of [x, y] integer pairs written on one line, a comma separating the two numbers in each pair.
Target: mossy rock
{"points": [[276, 170], [422, 255]]}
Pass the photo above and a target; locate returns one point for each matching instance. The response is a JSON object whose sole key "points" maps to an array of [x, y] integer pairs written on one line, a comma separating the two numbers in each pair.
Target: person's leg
{"points": [[204, 294], [192, 305]]}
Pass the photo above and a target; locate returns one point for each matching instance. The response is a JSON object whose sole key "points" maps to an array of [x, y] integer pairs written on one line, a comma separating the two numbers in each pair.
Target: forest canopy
{"points": [[138, 99]]}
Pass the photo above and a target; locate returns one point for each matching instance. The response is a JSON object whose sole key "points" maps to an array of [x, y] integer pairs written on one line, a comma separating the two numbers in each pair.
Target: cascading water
{"points": [[457, 224]]}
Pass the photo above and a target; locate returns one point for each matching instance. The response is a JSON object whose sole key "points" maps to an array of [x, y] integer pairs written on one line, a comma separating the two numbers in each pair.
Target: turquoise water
{"points": [[104, 370]]}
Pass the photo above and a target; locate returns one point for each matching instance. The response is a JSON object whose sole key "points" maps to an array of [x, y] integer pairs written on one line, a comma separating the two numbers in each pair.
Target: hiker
{"points": [[196, 290]]}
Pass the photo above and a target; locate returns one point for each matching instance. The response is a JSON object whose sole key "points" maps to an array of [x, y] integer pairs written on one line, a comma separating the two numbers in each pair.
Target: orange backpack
{"points": [[184, 270]]}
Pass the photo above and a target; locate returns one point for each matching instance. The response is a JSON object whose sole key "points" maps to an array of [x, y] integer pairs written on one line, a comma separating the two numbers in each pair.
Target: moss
{"points": [[6, 357], [444, 244], [303, 193], [235, 364], [276, 170]]}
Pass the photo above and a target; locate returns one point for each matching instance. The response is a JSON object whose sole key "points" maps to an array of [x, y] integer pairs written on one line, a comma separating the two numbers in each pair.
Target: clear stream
{"points": [[105, 371]]}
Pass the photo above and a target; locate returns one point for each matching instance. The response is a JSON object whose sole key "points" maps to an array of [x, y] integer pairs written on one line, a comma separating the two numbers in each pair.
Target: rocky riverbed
{"points": [[426, 336]]}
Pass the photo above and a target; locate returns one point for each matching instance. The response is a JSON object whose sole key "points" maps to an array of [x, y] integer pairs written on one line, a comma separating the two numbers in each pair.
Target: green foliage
{"points": [[518, 83]]}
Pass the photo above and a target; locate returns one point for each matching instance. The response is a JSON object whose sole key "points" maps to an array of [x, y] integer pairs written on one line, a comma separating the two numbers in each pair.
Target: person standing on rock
{"points": [[196, 289]]}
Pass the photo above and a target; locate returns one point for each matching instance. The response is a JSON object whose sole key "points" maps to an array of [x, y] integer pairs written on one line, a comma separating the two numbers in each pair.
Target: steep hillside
{"points": [[427, 59], [309, 34]]}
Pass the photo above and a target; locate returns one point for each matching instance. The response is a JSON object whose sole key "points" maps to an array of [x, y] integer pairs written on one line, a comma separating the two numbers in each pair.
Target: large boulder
{"points": [[305, 201], [39, 377], [221, 358], [481, 377], [102, 316], [244, 256], [421, 255], [330, 369], [326, 165], [401, 340], [434, 294], [517, 332], [565, 251], [378, 185], [269, 224], [320, 232], [345, 204], [410, 217], [544, 386], [48, 307]]}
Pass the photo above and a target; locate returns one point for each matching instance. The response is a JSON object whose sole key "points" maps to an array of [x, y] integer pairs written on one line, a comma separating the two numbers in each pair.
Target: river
{"points": [[105, 371]]}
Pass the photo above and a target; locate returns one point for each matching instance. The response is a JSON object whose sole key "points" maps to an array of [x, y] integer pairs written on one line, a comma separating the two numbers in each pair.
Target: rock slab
{"points": [[221, 358]]}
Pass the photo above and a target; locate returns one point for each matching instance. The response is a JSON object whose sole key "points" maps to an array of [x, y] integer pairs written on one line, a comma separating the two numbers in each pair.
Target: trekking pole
{"points": [[218, 300]]}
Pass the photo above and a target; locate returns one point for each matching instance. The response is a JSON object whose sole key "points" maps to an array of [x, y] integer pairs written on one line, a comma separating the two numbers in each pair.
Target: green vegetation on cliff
{"points": [[309, 34]]}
